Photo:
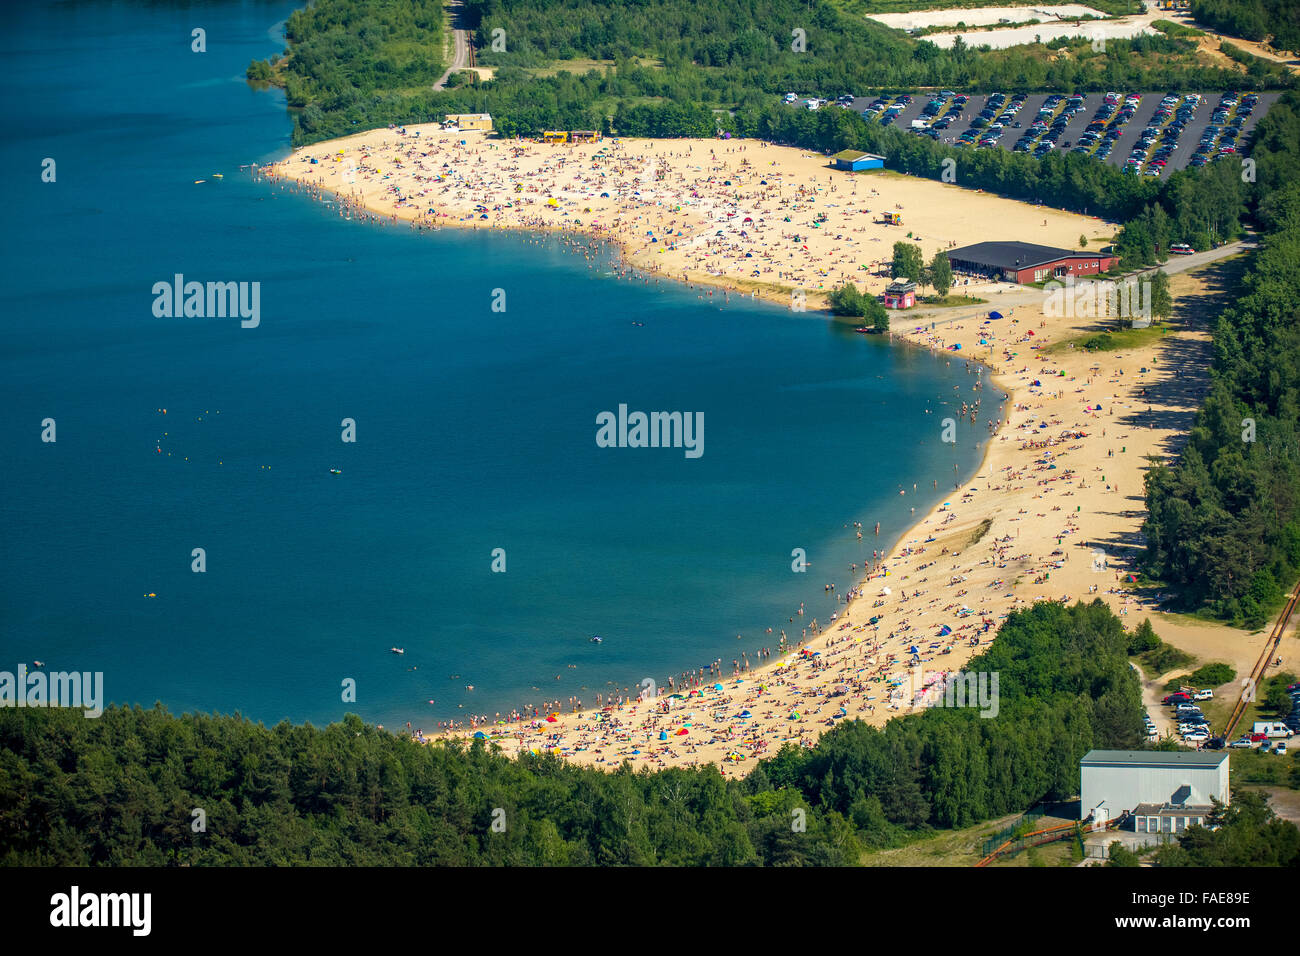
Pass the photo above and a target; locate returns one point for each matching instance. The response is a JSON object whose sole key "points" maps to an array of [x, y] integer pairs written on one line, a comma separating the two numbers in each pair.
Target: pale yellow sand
{"points": [[1063, 533], [690, 209]]}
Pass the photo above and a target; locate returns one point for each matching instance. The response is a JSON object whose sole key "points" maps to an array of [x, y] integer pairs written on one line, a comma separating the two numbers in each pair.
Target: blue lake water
{"points": [[475, 429]]}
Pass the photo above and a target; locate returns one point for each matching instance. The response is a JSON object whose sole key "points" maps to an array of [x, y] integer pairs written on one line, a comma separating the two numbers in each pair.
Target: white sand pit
{"points": [[979, 16], [1044, 33]]}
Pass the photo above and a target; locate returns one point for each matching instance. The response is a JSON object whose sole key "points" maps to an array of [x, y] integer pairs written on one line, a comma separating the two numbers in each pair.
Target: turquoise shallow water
{"points": [[475, 430]]}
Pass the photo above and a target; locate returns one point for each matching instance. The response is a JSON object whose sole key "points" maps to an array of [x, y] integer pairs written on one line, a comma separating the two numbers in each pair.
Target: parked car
{"points": [[1280, 748], [1243, 742], [1206, 694]]}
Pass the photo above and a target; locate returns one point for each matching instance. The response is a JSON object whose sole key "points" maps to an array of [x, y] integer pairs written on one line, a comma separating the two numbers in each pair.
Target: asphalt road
{"points": [[460, 39]]}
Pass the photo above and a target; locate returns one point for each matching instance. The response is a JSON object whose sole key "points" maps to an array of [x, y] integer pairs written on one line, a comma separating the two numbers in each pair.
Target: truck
{"points": [[1272, 729]]}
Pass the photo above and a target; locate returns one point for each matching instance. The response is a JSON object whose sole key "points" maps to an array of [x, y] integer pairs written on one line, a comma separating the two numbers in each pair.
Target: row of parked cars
{"points": [[1159, 140], [1108, 124], [1153, 151], [1221, 136], [1049, 125], [1194, 728], [998, 115], [816, 103]]}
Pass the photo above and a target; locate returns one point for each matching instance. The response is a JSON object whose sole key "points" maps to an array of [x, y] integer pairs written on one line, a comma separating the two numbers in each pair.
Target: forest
{"points": [[123, 789], [354, 65], [1223, 525]]}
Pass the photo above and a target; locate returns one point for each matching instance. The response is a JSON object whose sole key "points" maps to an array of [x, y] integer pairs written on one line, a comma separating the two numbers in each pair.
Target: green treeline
{"points": [[1201, 207], [1253, 20], [356, 65], [1223, 526], [121, 790]]}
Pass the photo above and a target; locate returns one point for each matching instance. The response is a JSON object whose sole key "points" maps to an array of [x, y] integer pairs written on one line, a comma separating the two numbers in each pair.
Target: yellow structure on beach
{"points": [[571, 136], [470, 122]]}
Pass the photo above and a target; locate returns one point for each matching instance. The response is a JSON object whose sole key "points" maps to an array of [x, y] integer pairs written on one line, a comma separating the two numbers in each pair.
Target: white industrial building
{"points": [[1160, 792]]}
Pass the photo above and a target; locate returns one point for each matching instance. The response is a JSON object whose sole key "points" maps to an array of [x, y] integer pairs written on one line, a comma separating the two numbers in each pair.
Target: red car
{"points": [[1258, 738], [1178, 698]]}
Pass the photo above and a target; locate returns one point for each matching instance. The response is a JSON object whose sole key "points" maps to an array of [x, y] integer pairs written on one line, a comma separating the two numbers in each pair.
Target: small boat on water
{"points": [[864, 329], [398, 650], [336, 471], [218, 176], [598, 640]]}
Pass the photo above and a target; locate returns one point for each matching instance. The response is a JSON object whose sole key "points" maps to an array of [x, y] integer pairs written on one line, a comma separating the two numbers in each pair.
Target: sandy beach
{"points": [[743, 215], [1053, 513]]}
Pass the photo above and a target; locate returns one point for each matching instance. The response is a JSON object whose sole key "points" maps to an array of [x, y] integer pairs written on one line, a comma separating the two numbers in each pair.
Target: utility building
{"points": [[1158, 792], [854, 160], [468, 122]]}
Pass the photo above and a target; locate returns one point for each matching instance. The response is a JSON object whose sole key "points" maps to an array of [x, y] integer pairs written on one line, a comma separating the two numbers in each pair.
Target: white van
{"points": [[790, 97], [1272, 729]]}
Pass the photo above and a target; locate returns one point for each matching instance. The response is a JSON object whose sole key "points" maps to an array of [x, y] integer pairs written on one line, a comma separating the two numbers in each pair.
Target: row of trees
{"points": [[121, 790], [1201, 207]]}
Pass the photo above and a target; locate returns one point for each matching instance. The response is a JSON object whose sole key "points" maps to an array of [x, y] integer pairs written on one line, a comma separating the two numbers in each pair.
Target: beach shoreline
{"points": [[786, 686]]}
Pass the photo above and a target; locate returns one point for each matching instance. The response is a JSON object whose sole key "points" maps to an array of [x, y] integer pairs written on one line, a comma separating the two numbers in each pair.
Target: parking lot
{"points": [[952, 120]]}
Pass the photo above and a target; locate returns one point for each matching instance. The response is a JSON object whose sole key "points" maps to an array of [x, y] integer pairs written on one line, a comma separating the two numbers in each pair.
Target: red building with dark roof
{"points": [[1026, 261], [900, 294]]}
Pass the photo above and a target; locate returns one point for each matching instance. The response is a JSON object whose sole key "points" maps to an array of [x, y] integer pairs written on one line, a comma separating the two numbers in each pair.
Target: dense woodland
{"points": [[121, 789], [1253, 20], [1223, 524], [355, 65]]}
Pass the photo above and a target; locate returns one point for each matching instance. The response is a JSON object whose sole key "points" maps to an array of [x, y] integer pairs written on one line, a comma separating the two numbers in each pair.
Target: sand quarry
{"points": [[1053, 513], [1054, 22]]}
